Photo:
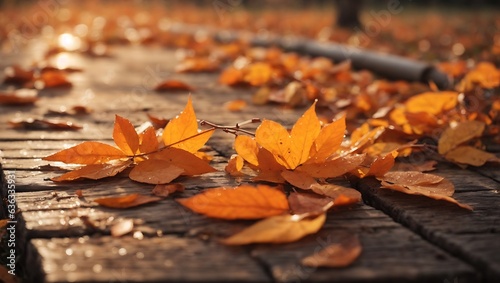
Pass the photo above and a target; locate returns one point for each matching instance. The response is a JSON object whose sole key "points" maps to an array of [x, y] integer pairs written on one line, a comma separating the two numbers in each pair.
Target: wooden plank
{"points": [[458, 231], [158, 259]]}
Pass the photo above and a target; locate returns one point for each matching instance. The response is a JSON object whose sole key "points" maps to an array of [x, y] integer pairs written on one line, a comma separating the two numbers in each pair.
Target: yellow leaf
{"points": [[328, 141], [333, 168], [191, 164], [155, 171], [432, 102], [125, 136], [277, 230], [382, 164], [182, 128], [459, 133], [269, 169], [243, 202], [471, 156], [87, 153], [126, 201], [234, 165], [340, 254], [290, 150], [247, 148], [94, 171], [148, 141]]}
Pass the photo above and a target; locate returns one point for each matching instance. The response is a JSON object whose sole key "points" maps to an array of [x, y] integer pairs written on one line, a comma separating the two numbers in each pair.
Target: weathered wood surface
{"points": [[66, 238]]}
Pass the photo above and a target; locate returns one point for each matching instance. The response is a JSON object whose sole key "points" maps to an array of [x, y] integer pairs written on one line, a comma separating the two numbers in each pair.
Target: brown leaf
{"points": [[148, 142], [126, 201], [125, 136], [173, 85], [164, 190], [94, 171], [44, 124], [17, 75], [341, 195], [155, 171], [471, 156], [425, 166], [19, 97], [382, 164], [190, 163], [269, 169], [158, 123], [458, 134], [277, 229], [87, 153], [432, 102], [333, 168], [247, 148], [53, 79], [307, 203], [298, 179], [122, 228], [234, 166], [243, 202], [340, 254], [328, 141]]}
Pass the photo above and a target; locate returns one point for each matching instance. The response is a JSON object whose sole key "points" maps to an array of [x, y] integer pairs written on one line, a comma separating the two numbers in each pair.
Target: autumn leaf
{"points": [[234, 165], [164, 190], [148, 142], [173, 85], [339, 194], [94, 171], [247, 148], [125, 136], [381, 165], [126, 201], [432, 102], [332, 168], [471, 156], [290, 150], [307, 203], [269, 169], [155, 171], [243, 202], [278, 229], [458, 134], [53, 79], [44, 124], [185, 128], [328, 141], [298, 179], [235, 105], [87, 153], [190, 163], [19, 97], [418, 183], [340, 254]]}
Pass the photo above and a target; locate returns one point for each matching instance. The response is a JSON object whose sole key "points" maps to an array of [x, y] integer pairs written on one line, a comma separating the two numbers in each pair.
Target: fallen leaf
{"points": [[231, 76], [339, 194], [307, 203], [298, 179], [164, 190], [126, 201], [155, 171], [425, 166], [72, 111], [122, 228], [125, 136], [94, 171], [277, 229], [340, 254], [197, 65], [381, 165], [243, 202], [148, 142], [418, 183], [158, 123], [328, 141], [52, 79], [16, 75], [191, 164], [290, 150], [173, 85], [235, 105], [247, 148], [258, 74], [19, 97], [234, 165], [471, 156], [333, 168], [182, 131], [458, 134], [89, 152], [432, 102], [44, 124], [269, 169]]}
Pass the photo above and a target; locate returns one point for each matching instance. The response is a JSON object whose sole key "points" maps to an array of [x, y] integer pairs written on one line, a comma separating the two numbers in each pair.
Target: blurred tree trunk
{"points": [[348, 13]]}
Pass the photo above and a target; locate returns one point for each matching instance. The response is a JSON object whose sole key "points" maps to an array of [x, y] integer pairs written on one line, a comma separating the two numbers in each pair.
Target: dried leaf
{"points": [[290, 150], [191, 164], [182, 128], [122, 228], [44, 124], [277, 230], [87, 153], [328, 141], [126, 201], [432, 102], [235, 105], [94, 171], [333, 168], [164, 190], [458, 134], [299, 179], [148, 141], [269, 169], [341, 195], [19, 97], [340, 254], [125, 136], [231, 76], [307, 203], [381, 165], [173, 85], [247, 148], [17, 75], [258, 74], [471, 156], [234, 165], [155, 171], [417, 183], [52, 79], [243, 202], [158, 123]]}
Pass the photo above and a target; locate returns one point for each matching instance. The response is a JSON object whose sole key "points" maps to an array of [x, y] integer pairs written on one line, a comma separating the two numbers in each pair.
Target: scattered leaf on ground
{"points": [[234, 165], [44, 124], [155, 171], [19, 97], [471, 156], [126, 201], [173, 85], [340, 254], [94, 171], [89, 152], [307, 203], [458, 134], [164, 190], [341, 195]]}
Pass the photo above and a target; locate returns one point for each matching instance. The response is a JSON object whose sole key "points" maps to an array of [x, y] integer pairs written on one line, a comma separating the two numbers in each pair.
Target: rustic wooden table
{"points": [[405, 238]]}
